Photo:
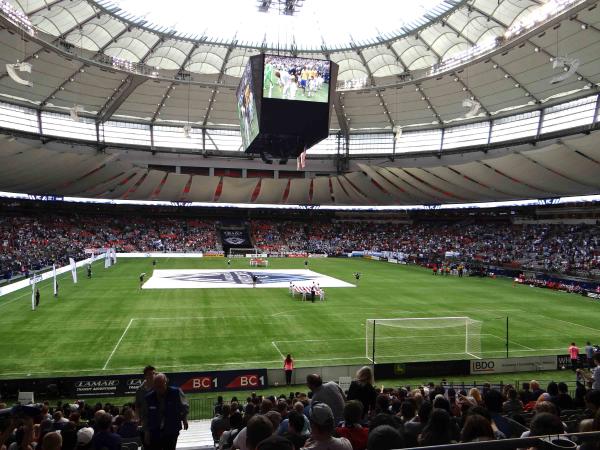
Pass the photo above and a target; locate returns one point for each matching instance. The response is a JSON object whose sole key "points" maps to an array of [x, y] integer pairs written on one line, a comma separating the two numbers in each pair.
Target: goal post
{"points": [[422, 337]]}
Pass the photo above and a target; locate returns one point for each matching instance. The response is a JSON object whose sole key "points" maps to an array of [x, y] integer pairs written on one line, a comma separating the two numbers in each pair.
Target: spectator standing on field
{"points": [[574, 355], [288, 367]]}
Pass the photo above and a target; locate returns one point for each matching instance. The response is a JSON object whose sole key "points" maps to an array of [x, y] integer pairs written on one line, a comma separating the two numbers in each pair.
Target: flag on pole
{"points": [[73, 270], [301, 160], [54, 282], [33, 293]]}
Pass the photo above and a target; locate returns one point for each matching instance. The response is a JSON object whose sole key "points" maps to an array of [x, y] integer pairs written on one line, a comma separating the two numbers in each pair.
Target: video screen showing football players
{"points": [[289, 78], [246, 107]]}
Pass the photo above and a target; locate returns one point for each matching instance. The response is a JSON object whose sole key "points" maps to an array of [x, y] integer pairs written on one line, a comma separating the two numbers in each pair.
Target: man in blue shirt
{"points": [[166, 411]]}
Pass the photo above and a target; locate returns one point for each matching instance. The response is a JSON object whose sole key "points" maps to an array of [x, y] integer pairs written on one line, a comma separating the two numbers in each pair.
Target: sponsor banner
{"points": [[256, 255], [421, 369], [160, 255], [214, 278], [375, 258], [102, 387], [564, 362], [237, 380], [504, 365], [317, 255], [296, 255], [593, 295], [126, 385], [44, 276]]}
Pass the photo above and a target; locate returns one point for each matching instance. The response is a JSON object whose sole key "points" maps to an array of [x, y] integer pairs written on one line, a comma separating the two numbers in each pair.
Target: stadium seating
{"points": [[31, 242]]}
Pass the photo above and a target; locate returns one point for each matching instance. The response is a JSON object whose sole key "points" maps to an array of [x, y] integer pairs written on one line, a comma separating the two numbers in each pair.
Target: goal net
{"points": [[422, 337]]}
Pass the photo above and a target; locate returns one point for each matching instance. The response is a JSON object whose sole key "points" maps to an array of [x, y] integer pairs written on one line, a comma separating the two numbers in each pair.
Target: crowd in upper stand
{"points": [[33, 242]]}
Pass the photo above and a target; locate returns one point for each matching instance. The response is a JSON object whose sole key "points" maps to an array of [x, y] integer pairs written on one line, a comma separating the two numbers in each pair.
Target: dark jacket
{"points": [[169, 422], [365, 393]]}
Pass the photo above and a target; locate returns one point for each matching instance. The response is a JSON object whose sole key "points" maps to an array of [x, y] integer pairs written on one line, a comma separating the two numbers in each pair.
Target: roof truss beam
{"points": [[382, 103], [211, 102], [172, 85]]}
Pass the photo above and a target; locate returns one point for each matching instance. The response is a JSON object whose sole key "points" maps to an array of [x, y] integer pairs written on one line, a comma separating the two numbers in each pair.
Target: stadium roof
{"points": [[556, 168], [120, 66]]}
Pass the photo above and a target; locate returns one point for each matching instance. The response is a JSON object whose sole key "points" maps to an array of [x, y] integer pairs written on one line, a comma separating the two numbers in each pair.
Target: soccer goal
{"points": [[422, 337]]}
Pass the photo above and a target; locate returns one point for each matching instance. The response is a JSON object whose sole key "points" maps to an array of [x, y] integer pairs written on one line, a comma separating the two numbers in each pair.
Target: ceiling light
{"points": [[584, 26], [495, 66], [536, 49]]}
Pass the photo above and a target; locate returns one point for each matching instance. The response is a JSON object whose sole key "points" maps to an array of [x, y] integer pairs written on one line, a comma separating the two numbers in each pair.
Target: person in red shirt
{"points": [[288, 367], [351, 428], [574, 355]]}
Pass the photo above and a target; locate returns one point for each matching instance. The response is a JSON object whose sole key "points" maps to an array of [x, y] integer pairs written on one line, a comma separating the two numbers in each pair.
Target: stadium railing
{"points": [[540, 442], [201, 408]]}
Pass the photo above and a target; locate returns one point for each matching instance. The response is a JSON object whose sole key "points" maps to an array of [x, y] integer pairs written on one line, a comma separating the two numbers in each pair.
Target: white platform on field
{"points": [[213, 278], [196, 437]]}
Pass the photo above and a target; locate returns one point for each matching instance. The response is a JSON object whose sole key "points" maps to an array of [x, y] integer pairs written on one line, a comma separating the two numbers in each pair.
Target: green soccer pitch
{"points": [[108, 325]]}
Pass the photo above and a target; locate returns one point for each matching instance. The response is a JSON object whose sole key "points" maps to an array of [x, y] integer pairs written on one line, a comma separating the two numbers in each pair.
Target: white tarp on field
{"points": [[202, 279]]}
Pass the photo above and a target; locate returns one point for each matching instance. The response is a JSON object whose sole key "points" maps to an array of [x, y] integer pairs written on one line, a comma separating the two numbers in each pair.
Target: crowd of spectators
{"points": [[76, 426], [30, 243], [402, 417], [325, 417], [571, 249]]}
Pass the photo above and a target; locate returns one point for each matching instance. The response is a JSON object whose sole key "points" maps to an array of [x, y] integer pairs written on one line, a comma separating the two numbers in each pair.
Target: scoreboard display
{"points": [[284, 104]]}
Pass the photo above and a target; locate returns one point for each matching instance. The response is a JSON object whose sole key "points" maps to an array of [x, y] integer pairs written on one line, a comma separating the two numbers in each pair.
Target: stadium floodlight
{"points": [[187, 130], [568, 68], [473, 105], [12, 69], [74, 112], [388, 339]]}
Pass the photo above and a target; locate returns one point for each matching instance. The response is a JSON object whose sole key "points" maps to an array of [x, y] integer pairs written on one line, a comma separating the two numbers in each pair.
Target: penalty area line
{"points": [[277, 348], [118, 343]]}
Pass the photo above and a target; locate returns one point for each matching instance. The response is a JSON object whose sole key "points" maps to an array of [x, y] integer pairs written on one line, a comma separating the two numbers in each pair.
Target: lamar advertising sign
{"points": [[504, 365]]}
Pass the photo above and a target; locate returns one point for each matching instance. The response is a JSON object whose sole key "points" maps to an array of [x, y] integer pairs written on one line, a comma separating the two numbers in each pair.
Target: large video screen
{"points": [[289, 78], [246, 107]]}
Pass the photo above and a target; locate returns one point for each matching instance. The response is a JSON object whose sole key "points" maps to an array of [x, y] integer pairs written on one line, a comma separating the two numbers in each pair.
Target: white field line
{"points": [[26, 294], [474, 356], [118, 343], [509, 341], [246, 363], [387, 338], [577, 325], [59, 277], [277, 348]]}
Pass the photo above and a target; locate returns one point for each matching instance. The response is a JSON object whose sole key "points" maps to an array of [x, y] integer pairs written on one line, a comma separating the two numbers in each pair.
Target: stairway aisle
{"points": [[197, 436]]}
